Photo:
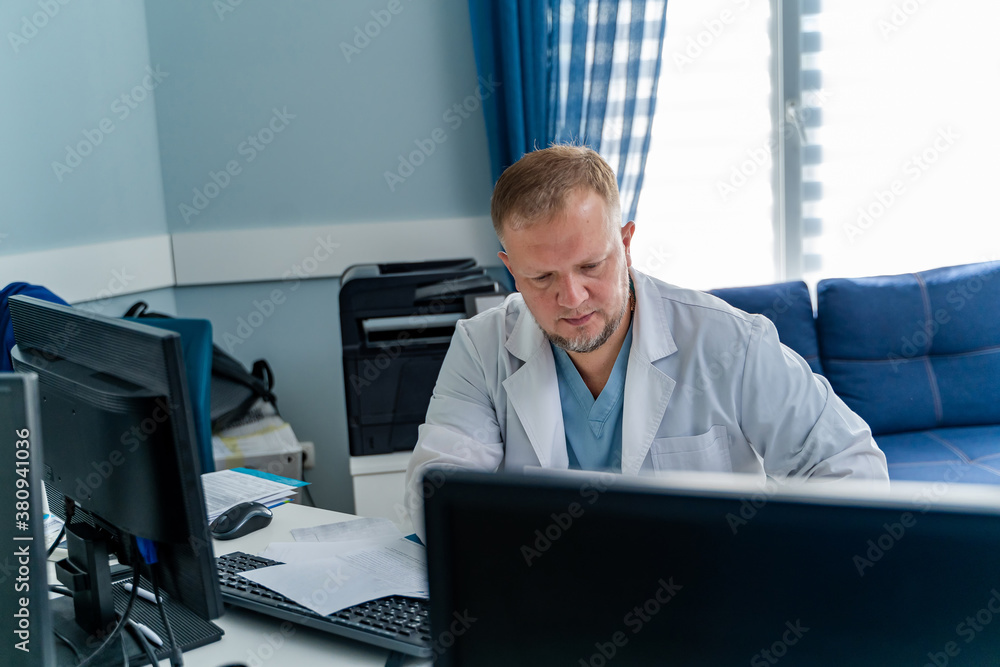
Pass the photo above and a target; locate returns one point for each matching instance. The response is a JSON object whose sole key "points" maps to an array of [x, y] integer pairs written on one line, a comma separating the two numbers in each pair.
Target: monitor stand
{"points": [[86, 619]]}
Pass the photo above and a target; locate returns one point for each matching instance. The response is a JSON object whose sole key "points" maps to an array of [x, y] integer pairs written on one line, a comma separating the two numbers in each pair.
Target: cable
{"points": [[61, 590], [55, 545], [176, 660], [121, 623], [143, 643], [124, 653], [70, 509], [67, 642]]}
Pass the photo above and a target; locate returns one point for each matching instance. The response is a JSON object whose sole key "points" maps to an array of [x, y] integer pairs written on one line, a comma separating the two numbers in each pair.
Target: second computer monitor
{"points": [[607, 571]]}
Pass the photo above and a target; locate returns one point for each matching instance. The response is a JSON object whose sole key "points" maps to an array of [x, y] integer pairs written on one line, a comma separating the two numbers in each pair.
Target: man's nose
{"points": [[572, 293]]}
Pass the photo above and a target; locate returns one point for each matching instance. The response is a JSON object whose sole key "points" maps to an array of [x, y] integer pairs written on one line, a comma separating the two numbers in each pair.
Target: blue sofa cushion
{"points": [[915, 351], [966, 454], [789, 306]]}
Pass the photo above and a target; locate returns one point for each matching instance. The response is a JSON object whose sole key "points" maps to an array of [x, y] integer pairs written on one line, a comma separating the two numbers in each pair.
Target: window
{"points": [[885, 113]]}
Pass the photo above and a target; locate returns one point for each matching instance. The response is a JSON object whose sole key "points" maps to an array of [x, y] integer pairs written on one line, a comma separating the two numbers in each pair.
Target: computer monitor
{"points": [[26, 626], [609, 571], [120, 442]]}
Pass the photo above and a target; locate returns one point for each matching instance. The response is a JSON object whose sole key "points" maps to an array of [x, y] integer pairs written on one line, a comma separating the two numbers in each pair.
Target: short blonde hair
{"points": [[537, 185]]}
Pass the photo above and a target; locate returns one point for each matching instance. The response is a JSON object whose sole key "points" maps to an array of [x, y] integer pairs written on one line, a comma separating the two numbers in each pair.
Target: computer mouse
{"points": [[240, 520]]}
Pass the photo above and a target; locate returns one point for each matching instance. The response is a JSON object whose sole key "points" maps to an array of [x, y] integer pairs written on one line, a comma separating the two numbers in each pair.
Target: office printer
{"points": [[396, 322]]}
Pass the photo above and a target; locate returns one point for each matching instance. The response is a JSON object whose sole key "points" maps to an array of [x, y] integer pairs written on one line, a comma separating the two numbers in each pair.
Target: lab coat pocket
{"points": [[707, 452]]}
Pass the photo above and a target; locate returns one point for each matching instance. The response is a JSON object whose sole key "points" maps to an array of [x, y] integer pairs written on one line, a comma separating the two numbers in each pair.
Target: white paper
{"points": [[403, 563], [226, 488], [356, 529], [53, 525], [298, 552], [330, 584]]}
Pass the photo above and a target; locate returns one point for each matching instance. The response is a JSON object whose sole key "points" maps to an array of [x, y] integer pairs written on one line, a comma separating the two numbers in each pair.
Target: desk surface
{"points": [[256, 640]]}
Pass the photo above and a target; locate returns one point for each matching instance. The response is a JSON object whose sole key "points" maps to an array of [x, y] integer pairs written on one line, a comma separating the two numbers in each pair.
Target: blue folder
{"points": [[196, 342]]}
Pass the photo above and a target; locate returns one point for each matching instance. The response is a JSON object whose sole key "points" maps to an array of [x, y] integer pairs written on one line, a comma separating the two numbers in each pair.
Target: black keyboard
{"points": [[396, 623]]}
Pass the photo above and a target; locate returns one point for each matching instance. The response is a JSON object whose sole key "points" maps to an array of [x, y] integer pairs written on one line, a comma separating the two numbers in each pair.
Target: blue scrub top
{"points": [[593, 426]]}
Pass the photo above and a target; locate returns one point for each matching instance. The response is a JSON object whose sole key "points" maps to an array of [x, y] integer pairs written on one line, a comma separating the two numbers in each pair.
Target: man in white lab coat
{"points": [[594, 365]]}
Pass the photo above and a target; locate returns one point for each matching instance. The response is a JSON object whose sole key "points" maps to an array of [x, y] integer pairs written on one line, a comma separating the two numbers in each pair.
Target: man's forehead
{"points": [[541, 255]]}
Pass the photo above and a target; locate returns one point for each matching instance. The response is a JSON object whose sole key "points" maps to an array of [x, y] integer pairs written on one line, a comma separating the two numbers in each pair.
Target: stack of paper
{"points": [[226, 488], [261, 433], [336, 566]]}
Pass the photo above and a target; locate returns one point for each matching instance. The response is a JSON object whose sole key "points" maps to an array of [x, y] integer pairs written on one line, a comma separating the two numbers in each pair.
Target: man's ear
{"points": [[627, 231], [506, 262]]}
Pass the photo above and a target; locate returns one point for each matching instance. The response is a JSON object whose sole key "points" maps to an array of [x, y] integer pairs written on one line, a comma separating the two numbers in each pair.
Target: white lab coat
{"points": [[708, 388]]}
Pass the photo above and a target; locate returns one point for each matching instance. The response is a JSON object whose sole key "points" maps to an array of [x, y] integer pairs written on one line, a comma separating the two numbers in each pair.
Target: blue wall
{"points": [[354, 113], [359, 101], [356, 110], [63, 79]]}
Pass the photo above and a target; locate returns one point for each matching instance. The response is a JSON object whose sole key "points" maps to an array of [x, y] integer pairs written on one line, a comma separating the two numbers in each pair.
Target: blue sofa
{"points": [[916, 355]]}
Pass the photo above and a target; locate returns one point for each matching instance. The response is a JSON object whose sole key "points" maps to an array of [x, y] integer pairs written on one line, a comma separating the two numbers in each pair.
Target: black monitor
{"points": [[607, 571], [121, 446], [26, 626]]}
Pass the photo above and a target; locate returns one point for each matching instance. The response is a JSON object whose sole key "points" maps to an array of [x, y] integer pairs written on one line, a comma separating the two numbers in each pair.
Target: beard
{"points": [[582, 344]]}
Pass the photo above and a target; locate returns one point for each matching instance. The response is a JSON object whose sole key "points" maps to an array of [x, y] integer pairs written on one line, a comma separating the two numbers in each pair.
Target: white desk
{"points": [[256, 640]]}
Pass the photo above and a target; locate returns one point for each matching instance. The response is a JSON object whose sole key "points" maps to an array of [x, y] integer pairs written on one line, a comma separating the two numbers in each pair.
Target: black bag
{"points": [[234, 390]]}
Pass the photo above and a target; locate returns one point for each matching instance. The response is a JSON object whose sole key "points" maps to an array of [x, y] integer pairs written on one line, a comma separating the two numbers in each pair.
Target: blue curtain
{"points": [[571, 71]]}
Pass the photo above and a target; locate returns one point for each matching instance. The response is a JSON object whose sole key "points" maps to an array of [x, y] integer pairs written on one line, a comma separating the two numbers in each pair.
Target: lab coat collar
{"points": [[647, 389], [651, 330], [526, 337], [537, 407]]}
